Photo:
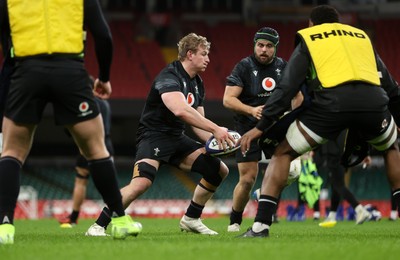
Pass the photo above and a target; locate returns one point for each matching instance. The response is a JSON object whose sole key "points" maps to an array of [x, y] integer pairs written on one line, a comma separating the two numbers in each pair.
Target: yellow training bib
{"points": [[46, 26], [341, 53]]}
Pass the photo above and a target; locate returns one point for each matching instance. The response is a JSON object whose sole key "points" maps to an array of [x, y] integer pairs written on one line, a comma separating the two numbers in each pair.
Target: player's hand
{"points": [[102, 89], [367, 162], [257, 112], [225, 140], [246, 139]]}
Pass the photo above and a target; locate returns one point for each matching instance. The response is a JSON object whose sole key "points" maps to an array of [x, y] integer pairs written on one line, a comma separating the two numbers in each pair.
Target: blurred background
{"points": [[145, 34]]}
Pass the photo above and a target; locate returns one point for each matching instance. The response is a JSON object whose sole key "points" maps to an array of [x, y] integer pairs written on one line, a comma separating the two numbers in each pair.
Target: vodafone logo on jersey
{"points": [[190, 99], [268, 84]]}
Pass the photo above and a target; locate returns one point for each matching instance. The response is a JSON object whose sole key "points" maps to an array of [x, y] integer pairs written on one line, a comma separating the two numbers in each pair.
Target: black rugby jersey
{"points": [[258, 82], [155, 115]]}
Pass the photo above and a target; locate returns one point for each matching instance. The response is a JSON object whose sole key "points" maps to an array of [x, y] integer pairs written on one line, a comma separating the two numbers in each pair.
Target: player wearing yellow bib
{"points": [[351, 89], [47, 47]]}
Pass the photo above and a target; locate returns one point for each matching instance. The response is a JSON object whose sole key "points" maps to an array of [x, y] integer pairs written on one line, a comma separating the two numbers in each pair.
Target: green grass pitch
{"points": [[162, 239]]}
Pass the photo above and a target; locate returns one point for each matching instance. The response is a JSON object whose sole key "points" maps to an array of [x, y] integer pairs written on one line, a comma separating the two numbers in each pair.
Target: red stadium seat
{"points": [[137, 62]]}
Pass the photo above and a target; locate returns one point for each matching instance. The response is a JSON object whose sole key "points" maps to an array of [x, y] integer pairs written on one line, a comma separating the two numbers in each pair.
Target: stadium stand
{"points": [[138, 60], [57, 182]]}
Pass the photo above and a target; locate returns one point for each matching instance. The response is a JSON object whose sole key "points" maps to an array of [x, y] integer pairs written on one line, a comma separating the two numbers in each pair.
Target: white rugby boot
{"points": [[235, 227], [362, 215], [195, 225], [96, 231]]}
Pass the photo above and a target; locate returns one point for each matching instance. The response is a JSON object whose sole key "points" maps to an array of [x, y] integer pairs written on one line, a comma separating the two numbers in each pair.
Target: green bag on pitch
{"points": [[310, 182]]}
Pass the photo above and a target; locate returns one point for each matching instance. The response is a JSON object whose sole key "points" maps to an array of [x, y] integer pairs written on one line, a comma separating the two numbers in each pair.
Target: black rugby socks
{"points": [[9, 188], [104, 177]]}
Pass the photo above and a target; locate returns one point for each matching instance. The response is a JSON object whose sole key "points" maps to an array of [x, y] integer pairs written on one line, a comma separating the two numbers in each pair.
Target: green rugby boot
{"points": [[124, 226], [7, 232]]}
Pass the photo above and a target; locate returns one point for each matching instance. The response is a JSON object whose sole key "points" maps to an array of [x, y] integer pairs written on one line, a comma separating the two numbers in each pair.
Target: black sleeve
{"points": [[293, 76], [4, 27], [388, 83], [235, 78], [96, 24], [392, 89]]}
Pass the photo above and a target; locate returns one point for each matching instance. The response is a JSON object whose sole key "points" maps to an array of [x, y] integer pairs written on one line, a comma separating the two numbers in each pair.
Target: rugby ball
{"points": [[212, 147], [294, 174], [294, 171]]}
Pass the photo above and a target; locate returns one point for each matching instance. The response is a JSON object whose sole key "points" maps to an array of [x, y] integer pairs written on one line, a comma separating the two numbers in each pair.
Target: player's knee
{"points": [[211, 168], [143, 169], [387, 139], [82, 173], [298, 141], [248, 173], [247, 181], [223, 170]]}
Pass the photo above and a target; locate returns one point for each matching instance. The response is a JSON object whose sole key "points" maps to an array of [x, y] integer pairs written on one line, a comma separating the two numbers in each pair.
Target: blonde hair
{"points": [[191, 42]]}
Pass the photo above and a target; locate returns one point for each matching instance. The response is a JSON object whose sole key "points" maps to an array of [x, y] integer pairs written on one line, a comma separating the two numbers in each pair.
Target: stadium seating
{"points": [[387, 39], [57, 182], [54, 185], [137, 61]]}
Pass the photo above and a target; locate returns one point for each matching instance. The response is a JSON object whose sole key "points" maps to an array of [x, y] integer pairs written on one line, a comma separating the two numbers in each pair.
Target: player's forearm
{"points": [[195, 119], [98, 27], [201, 134], [237, 106]]}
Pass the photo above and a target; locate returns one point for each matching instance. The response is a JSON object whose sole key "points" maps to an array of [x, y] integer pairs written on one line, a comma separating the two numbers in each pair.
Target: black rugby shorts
{"points": [[34, 84], [369, 124], [165, 148]]}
